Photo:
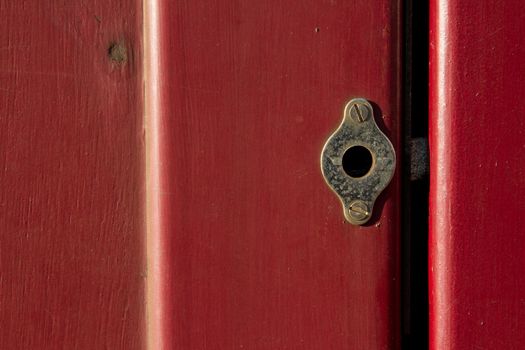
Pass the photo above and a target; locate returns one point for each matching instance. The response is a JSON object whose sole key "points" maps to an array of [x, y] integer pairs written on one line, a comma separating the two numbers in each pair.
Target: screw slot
{"points": [[357, 161], [359, 211], [359, 112]]}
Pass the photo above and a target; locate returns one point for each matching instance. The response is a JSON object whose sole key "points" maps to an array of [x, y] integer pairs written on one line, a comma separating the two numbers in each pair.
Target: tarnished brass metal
{"points": [[358, 180]]}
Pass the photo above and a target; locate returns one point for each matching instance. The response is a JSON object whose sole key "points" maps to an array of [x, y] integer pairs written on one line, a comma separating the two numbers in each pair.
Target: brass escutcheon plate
{"points": [[358, 193]]}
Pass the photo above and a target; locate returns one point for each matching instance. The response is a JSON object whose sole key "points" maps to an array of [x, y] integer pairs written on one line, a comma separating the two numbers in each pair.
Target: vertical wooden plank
{"points": [[248, 246], [477, 104], [71, 175]]}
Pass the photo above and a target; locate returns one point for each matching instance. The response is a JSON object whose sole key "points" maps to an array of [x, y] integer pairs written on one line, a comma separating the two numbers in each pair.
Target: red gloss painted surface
{"points": [[254, 251], [477, 143], [71, 176]]}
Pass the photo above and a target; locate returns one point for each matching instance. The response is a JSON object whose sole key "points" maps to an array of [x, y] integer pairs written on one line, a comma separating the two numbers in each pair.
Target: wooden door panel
{"points": [[248, 246], [71, 180]]}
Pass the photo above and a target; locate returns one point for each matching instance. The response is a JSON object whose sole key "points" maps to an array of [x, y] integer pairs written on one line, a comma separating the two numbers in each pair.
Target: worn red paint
{"points": [[477, 146], [249, 246], [71, 176]]}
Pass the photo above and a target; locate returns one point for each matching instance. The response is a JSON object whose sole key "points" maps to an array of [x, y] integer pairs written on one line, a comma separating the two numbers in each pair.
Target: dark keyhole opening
{"points": [[357, 161]]}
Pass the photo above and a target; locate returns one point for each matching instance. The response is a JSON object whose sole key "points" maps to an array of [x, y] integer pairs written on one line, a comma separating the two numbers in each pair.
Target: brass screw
{"points": [[359, 212], [359, 112]]}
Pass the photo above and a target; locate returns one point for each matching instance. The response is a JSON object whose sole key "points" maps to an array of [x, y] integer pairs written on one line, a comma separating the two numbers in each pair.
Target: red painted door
{"points": [[248, 247], [199, 219], [477, 103]]}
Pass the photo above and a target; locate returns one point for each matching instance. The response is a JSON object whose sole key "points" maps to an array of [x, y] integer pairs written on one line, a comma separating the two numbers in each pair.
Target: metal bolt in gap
{"points": [[359, 112]]}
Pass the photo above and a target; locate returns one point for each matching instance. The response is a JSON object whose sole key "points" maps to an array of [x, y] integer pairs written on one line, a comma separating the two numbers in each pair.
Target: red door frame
{"points": [[477, 103]]}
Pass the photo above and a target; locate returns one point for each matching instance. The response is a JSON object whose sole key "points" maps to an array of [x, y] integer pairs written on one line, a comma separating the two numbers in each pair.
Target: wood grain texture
{"points": [[71, 175], [477, 104], [254, 250]]}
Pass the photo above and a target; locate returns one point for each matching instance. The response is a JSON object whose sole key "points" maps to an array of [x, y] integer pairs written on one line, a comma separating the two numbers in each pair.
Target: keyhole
{"points": [[357, 161]]}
